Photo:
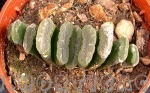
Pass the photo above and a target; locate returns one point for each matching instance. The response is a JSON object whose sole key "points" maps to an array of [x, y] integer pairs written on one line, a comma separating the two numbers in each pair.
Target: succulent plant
{"points": [[72, 46]]}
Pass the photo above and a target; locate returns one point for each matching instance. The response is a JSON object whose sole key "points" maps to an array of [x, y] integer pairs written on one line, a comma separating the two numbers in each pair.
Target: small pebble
{"points": [[107, 4], [125, 28], [127, 70], [145, 60], [82, 17], [32, 4], [124, 1], [124, 7], [137, 17], [21, 56], [23, 74], [82, 1], [120, 87], [66, 6]]}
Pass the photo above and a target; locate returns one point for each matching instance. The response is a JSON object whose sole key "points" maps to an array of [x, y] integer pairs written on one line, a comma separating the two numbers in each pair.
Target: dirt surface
{"points": [[78, 14]]}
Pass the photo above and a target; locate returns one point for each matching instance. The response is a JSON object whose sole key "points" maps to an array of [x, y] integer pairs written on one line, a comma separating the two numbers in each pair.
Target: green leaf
{"points": [[64, 37], [104, 46], [35, 53], [43, 38], [29, 42], [74, 47], [18, 31], [133, 57], [9, 33], [88, 46], [118, 54], [29, 37], [54, 44]]}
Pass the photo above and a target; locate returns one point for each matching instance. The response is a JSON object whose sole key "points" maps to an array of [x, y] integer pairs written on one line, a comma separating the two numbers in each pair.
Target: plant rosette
{"points": [[12, 9]]}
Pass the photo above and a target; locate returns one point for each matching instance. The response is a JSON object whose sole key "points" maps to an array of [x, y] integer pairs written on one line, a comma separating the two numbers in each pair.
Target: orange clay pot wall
{"points": [[9, 12]]}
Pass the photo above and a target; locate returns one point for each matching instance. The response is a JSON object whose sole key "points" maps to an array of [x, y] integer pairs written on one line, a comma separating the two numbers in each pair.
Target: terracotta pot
{"points": [[12, 9], [9, 12], [144, 7]]}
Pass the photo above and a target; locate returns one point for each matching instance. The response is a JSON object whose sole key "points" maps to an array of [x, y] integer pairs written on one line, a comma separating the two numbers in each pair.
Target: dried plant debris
{"points": [[124, 6], [145, 60], [47, 10], [142, 37], [82, 17], [97, 12], [137, 17], [82, 1]]}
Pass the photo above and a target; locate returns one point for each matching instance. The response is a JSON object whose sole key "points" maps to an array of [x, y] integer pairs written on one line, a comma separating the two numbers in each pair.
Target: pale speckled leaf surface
{"points": [[118, 54], [18, 31], [29, 37], [88, 46], [74, 47], [43, 38], [66, 31], [133, 57], [105, 42]]}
